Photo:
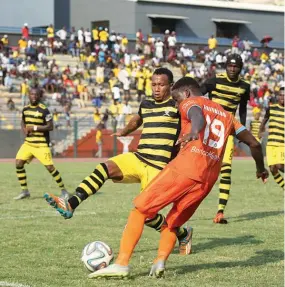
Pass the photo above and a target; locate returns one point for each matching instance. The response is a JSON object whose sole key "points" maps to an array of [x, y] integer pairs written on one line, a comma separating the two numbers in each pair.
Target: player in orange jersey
{"points": [[187, 179]]}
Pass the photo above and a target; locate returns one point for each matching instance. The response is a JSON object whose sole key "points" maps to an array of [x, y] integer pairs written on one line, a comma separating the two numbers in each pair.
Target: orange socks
{"points": [[166, 244], [131, 236]]}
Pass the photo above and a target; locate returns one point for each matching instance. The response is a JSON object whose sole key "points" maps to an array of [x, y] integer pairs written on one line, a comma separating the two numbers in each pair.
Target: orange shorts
{"points": [[170, 187]]}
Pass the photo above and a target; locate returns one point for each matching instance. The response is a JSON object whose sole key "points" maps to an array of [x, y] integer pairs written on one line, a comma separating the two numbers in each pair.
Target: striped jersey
{"points": [[161, 128], [254, 128], [36, 116], [275, 113], [225, 92]]}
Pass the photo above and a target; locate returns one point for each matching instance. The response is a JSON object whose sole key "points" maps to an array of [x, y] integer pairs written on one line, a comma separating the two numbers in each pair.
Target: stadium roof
{"points": [[218, 20], [221, 4], [166, 16]]}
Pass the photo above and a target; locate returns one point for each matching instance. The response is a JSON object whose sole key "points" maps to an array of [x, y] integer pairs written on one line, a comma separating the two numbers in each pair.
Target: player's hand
{"points": [[187, 138], [260, 135], [29, 129], [263, 175]]}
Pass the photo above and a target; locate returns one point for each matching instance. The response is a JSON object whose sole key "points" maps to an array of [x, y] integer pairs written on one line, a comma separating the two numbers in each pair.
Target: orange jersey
{"points": [[201, 159]]}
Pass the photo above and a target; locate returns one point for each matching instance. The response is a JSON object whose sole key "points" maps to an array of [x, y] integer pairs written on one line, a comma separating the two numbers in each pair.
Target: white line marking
{"points": [[12, 284], [48, 214]]}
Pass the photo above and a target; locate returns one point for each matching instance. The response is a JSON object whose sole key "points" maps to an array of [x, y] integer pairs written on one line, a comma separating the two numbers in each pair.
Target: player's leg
{"points": [[182, 209], [157, 195], [57, 177], [22, 178], [275, 159], [43, 154], [23, 156], [184, 235], [116, 168], [225, 181]]}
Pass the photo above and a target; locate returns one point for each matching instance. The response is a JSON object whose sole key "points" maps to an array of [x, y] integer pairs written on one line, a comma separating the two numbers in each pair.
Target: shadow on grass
{"points": [[222, 242], [217, 242], [257, 215], [260, 258], [244, 217]]}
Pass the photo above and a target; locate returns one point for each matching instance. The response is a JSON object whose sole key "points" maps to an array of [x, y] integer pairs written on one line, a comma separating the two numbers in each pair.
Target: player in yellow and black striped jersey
{"points": [[255, 125], [275, 114], [36, 124], [230, 91], [161, 127]]}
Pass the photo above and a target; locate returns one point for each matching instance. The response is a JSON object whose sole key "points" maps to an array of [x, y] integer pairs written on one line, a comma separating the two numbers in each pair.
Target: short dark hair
{"points": [[186, 82], [282, 88], [164, 71]]}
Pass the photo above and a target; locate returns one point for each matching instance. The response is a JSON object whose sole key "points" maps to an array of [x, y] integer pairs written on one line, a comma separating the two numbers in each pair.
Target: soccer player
{"points": [[36, 124], [255, 125], [161, 127], [187, 179], [275, 143], [230, 91]]}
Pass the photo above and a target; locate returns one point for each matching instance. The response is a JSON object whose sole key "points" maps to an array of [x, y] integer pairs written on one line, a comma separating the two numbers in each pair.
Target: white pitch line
{"points": [[50, 214], [12, 284]]}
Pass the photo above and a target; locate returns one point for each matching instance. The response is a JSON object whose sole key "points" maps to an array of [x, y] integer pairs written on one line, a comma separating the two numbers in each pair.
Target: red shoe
{"points": [[220, 218]]}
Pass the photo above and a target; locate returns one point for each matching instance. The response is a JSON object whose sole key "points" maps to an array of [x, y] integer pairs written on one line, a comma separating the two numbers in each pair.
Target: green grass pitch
{"points": [[39, 248]]}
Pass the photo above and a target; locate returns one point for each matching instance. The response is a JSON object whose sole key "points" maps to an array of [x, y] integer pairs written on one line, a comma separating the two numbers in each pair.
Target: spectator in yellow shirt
{"points": [[50, 34], [99, 141], [124, 44], [140, 87], [95, 34], [24, 91], [212, 43], [22, 43], [104, 35], [5, 41]]}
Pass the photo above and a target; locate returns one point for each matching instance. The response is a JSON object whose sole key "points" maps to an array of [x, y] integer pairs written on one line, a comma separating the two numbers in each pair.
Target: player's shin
{"points": [[90, 185], [166, 243], [57, 177], [279, 179], [131, 236], [22, 178], [225, 185]]}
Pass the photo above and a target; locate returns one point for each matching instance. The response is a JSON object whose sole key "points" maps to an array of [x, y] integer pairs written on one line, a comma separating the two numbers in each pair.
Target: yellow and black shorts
{"points": [[134, 170], [28, 152], [275, 155]]}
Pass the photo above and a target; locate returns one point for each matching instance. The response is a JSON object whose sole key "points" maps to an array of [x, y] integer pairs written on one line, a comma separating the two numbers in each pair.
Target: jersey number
{"points": [[217, 128]]}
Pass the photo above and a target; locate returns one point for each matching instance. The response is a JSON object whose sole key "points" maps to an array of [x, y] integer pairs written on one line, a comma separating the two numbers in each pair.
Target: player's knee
{"points": [[273, 169], [114, 171], [20, 163], [50, 168]]}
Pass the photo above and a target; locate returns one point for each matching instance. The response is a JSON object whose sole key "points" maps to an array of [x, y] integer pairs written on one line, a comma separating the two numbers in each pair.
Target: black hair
{"points": [[164, 71], [281, 89], [186, 82], [235, 59]]}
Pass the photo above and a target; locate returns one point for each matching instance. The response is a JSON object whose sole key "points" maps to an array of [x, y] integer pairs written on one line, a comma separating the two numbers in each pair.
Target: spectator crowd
{"points": [[112, 71]]}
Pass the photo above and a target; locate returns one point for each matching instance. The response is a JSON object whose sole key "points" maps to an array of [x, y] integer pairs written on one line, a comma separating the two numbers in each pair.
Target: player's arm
{"points": [[255, 147], [197, 119], [263, 123], [133, 124], [243, 106], [208, 86], [45, 128]]}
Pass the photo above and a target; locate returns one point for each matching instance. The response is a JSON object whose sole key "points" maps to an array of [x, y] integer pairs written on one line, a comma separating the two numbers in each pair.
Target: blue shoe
{"points": [[60, 204], [185, 244], [157, 270]]}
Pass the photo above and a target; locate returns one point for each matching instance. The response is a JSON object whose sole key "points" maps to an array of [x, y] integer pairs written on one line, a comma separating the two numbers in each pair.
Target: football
{"points": [[96, 255]]}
